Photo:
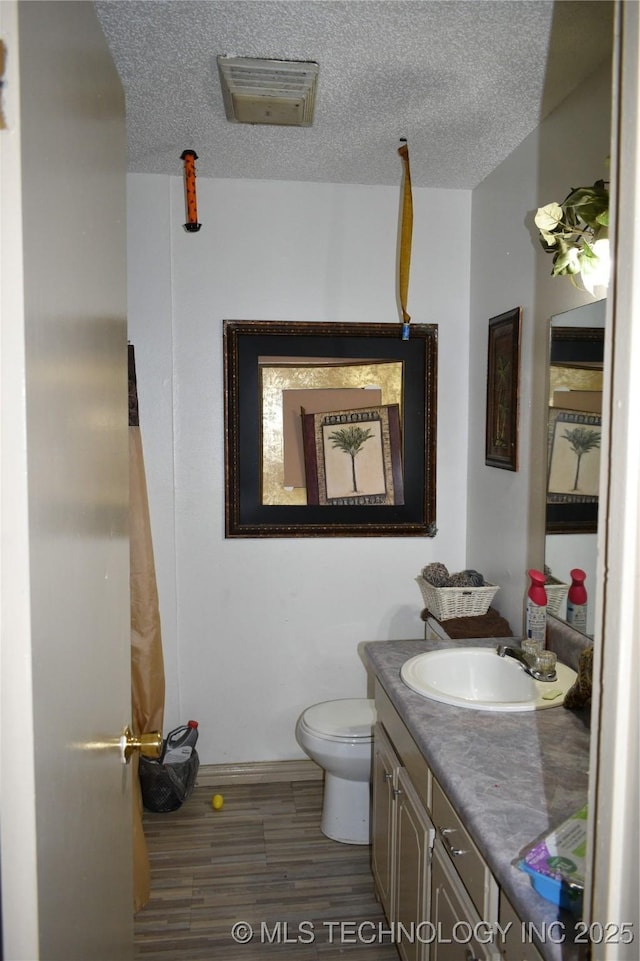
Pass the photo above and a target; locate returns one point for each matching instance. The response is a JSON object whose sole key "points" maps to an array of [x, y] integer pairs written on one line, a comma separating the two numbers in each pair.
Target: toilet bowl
{"points": [[338, 735]]}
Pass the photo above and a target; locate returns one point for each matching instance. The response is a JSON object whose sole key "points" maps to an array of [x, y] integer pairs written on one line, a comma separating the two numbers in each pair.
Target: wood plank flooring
{"points": [[261, 860]]}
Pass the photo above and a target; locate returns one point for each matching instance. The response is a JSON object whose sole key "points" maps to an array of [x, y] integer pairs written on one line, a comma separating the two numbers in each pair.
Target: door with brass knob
{"points": [[66, 597], [150, 745]]}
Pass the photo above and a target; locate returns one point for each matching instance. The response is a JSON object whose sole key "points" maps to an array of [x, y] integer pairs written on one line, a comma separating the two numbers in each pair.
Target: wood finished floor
{"points": [[262, 859]]}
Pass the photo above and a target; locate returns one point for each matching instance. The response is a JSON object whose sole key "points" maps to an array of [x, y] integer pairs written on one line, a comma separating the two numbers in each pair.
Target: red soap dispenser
{"points": [[577, 601], [536, 619]]}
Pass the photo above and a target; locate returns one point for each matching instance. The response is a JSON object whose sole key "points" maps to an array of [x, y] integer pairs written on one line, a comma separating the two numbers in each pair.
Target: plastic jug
{"points": [[180, 742]]}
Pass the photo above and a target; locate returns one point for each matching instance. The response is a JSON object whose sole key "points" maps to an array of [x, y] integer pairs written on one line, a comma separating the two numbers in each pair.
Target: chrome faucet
{"points": [[528, 664]]}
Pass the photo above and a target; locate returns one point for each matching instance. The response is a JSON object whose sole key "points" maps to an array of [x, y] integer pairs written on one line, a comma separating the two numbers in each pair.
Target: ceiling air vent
{"points": [[268, 91]]}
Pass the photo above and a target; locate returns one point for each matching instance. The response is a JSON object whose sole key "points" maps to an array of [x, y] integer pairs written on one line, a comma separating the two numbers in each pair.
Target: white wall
{"points": [[509, 269], [256, 630]]}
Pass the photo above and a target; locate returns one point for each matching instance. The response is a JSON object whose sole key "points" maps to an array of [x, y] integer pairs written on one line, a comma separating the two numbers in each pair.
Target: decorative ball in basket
{"points": [[465, 594]]}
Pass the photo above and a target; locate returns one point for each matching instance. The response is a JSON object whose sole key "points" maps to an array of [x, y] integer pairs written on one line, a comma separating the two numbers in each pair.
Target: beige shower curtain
{"points": [[147, 666]]}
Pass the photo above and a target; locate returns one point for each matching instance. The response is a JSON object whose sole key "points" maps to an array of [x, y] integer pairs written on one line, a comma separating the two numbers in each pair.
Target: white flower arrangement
{"points": [[576, 233]]}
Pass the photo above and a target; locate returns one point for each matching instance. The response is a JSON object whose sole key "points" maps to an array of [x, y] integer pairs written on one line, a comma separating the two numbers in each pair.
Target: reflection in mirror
{"points": [[575, 394]]}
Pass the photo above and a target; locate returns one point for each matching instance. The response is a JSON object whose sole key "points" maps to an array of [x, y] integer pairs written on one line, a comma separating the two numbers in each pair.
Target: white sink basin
{"points": [[477, 678]]}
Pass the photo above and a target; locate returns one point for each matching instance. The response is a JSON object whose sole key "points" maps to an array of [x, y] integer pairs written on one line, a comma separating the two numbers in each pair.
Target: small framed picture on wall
{"points": [[503, 394]]}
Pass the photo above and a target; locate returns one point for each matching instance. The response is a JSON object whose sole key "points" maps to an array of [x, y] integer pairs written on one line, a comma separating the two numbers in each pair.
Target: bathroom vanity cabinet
{"points": [[431, 879]]}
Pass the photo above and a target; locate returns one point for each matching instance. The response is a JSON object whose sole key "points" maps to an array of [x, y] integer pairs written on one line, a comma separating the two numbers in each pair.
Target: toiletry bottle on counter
{"points": [[577, 601], [536, 617]]}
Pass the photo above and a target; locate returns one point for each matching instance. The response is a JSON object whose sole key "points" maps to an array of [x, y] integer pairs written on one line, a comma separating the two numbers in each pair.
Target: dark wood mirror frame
{"points": [[245, 342]]}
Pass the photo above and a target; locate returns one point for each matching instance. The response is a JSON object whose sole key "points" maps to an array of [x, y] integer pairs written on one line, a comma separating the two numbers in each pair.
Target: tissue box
{"points": [[556, 864]]}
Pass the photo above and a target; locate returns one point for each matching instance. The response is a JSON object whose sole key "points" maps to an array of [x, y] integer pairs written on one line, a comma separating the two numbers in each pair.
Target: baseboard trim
{"points": [[258, 772]]}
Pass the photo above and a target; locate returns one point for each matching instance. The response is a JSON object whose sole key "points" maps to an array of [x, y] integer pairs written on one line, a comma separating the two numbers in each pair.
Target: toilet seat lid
{"points": [[351, 717]]}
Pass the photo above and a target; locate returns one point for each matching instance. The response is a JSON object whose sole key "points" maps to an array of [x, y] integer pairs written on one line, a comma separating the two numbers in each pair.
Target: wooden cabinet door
{"points": [[384, 772], [459, 934], [414, 840], [514, 946]]}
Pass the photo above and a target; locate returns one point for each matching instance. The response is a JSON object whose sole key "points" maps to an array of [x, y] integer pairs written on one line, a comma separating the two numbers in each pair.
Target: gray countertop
{"points": [[511, 777]]}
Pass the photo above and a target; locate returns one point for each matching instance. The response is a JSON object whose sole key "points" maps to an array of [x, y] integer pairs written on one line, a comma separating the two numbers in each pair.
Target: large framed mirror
{"points": [[576, 351]]}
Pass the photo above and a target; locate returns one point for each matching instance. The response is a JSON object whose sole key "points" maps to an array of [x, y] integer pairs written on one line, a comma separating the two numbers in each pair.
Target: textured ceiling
{"points": [[465, 81]]}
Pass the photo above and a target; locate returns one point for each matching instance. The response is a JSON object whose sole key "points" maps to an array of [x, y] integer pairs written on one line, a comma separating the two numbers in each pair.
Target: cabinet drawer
{"points": [[405, 747], [468, 861]]}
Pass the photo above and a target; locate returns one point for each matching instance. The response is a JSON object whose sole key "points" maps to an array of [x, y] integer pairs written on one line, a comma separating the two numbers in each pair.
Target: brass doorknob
{"points": [[148, 744]]}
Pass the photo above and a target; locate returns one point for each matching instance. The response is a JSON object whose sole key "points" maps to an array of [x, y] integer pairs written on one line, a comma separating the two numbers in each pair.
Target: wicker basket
{"points": [[556, 592], [447, 602]]}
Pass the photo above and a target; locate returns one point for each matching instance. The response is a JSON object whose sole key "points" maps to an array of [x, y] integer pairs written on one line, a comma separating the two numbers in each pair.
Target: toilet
{"points": [[338, 735]]}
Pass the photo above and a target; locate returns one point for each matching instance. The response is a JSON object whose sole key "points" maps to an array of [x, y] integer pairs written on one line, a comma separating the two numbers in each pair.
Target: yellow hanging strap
{"points": [[406, 233]]}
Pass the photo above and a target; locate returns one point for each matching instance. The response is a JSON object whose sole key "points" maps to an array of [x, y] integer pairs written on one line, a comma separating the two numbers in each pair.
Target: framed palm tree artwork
{"points": [[503, 373], [353, 457], [330, 429], [573, 471]]}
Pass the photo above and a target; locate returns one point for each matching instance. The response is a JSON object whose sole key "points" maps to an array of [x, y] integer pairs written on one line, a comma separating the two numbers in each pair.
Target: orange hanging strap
{"points": [[406, 234], [189, 157]]}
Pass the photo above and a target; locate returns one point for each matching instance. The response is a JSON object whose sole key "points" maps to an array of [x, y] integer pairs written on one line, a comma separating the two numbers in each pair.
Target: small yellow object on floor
{"points": [[217, 801]]}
